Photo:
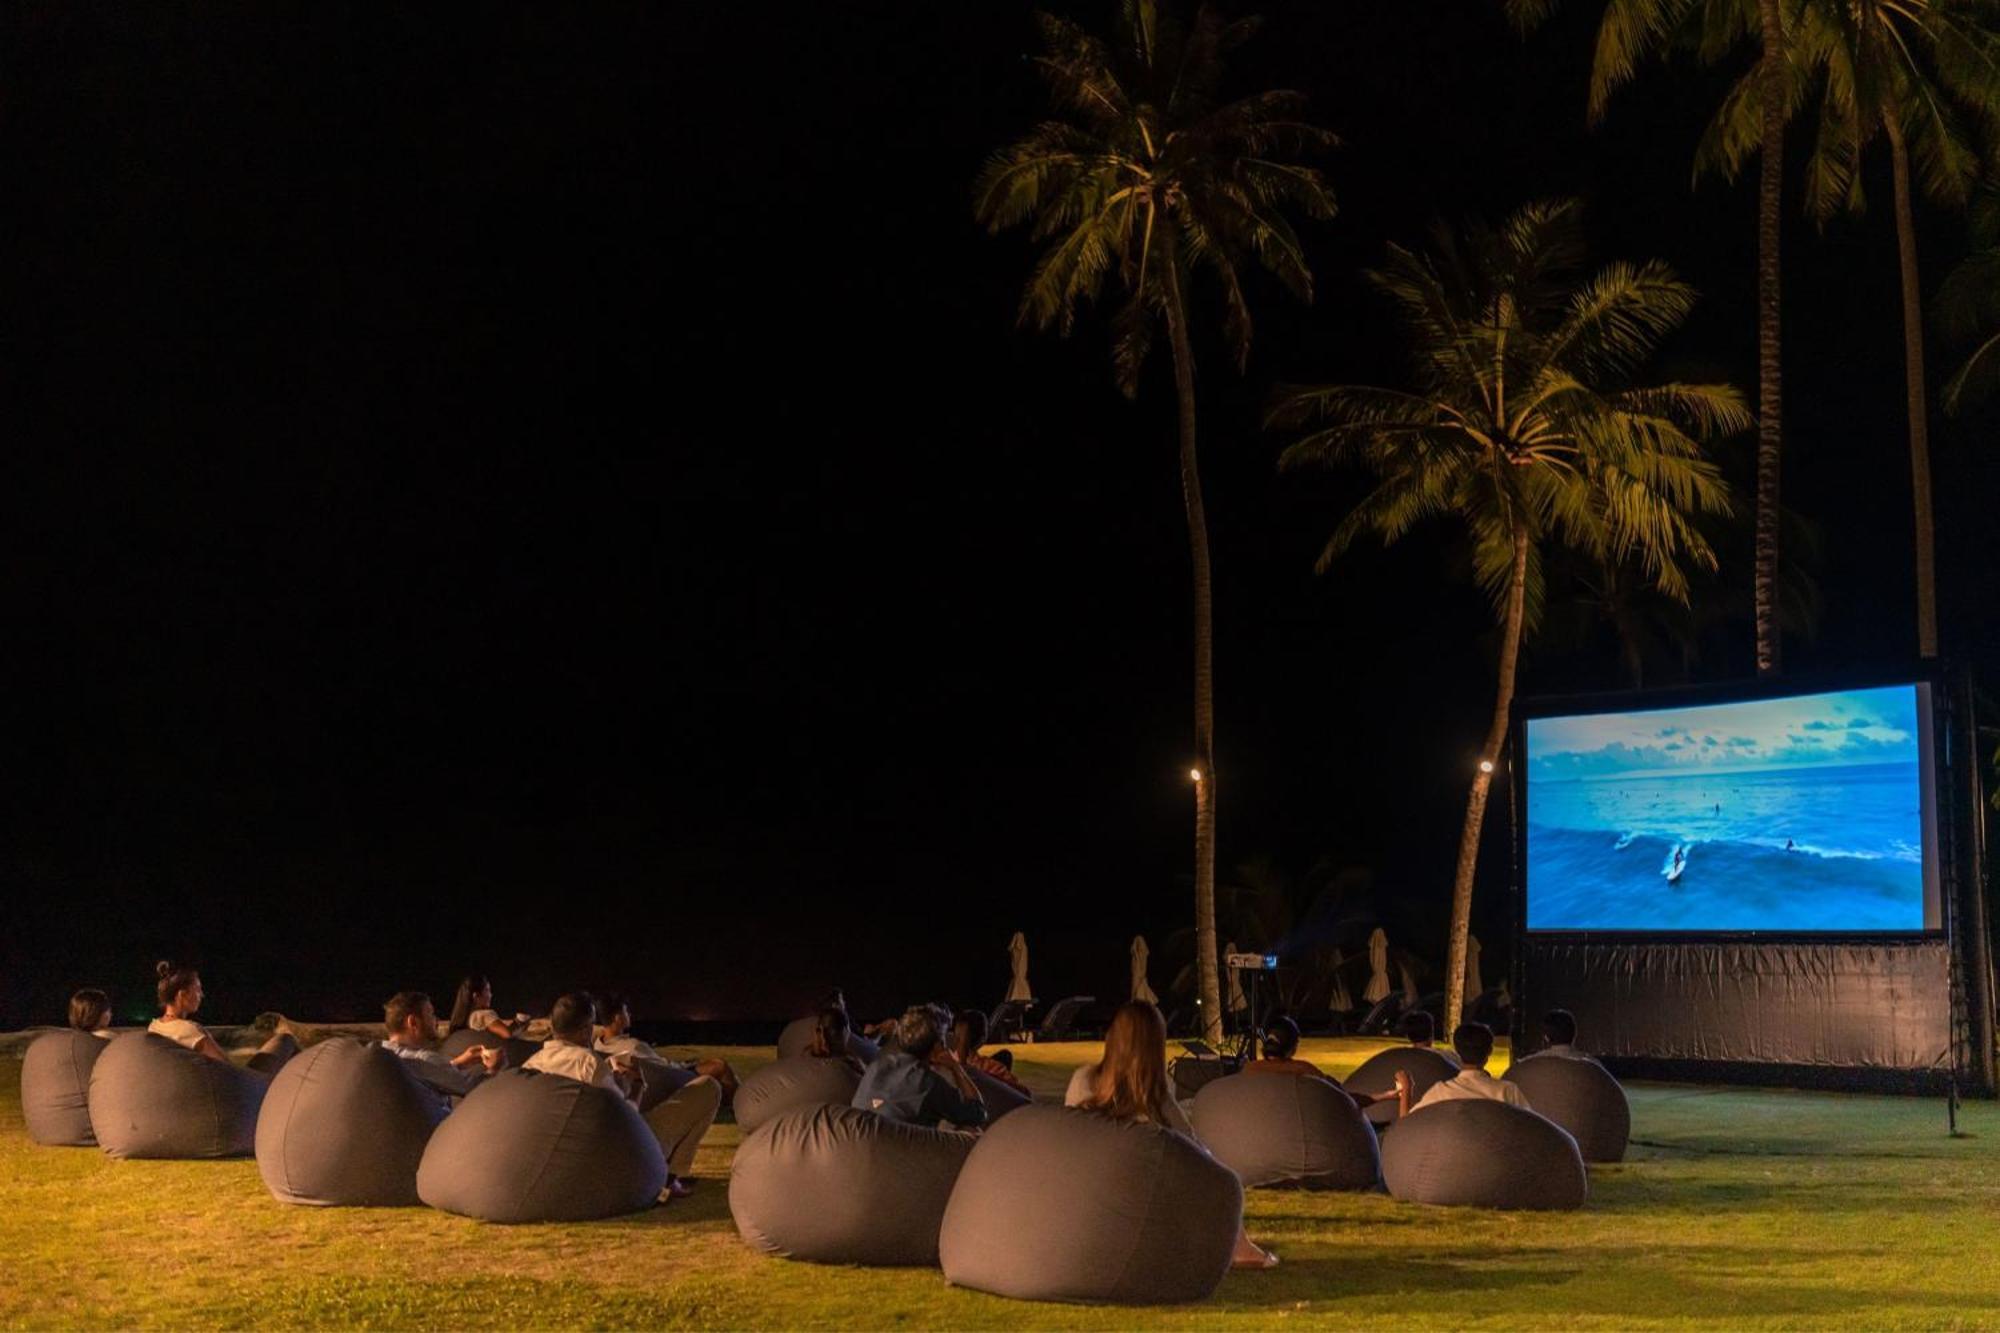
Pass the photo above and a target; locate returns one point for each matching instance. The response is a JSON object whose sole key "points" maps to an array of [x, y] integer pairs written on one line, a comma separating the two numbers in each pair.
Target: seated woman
{"points": [[473, 1008], [1280, 1050], [830, 1040], [90, 1011], [1130, 1083], [181, 995], [968, 1034]]}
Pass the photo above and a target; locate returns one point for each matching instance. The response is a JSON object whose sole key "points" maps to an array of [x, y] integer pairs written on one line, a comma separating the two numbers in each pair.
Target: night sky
{"points": [[558, 490]]}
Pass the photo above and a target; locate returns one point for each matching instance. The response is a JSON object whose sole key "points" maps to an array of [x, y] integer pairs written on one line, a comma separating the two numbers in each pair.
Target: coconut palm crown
{"points": [[1523, 422], [1147, 176]]}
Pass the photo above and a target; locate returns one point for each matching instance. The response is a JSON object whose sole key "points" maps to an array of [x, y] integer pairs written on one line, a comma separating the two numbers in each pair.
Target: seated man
{"points": [[968, 1034], [1474, 1044], [1419, 1029], [1280, 1050], [921, 1082], [410, 1021], [614, 1037], [678, 1121], [1559, 1027]]}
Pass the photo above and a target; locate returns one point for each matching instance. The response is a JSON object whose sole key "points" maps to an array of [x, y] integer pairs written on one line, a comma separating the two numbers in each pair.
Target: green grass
{"points": [[1747, 1209]]}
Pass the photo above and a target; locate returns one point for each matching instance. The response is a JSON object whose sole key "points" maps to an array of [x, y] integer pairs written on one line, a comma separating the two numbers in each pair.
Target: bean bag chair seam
{"points": [[1155, 1151], [549, 1155], [284, 1162]]}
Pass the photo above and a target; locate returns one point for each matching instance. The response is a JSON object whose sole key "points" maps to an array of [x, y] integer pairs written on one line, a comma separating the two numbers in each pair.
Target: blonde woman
{"points": [[1130, 1083]]}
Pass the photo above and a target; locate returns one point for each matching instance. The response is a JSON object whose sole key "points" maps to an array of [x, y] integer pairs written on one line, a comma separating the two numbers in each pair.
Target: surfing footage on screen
{"points": [[1803, 814]]}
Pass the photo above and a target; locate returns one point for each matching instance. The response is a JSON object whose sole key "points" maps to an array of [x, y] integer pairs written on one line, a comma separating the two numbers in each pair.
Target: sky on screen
{"points": [[1875, 726]]}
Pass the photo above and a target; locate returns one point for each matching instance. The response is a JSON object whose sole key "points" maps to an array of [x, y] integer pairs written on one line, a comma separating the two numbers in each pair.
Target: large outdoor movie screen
{"points": [[1811, 813]]}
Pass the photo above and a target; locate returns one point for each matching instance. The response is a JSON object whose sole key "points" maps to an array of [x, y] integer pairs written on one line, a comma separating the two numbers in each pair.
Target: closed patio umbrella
{"points": [[1141, 988], [1474, 986], [1017, 950], [1378, 968]]}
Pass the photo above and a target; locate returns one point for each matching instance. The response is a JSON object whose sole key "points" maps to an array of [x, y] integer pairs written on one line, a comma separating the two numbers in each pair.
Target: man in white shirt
{"points": [[678, 1122], [1474, 1044], [614, 1037], [1559, 1027], [568, 1050]]}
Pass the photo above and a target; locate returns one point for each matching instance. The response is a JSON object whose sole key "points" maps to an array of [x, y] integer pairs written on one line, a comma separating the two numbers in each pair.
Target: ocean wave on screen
{"points": [[1580, 879]]}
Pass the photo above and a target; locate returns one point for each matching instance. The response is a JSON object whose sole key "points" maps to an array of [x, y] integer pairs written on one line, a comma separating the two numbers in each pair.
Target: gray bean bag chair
{"points": [[834, 1185], [518, 1050], [150, 1097], [534, 1147], [798, 1035], [788, 1084], [55, 1088], [1483, 1154], [1058, 1204], [346, 1124], [1274, 1129], [1581, 1096], [1377, 1074]]}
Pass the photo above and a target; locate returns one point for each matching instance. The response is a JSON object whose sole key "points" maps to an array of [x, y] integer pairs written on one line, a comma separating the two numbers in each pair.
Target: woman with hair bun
{"points": [[181, 995]]}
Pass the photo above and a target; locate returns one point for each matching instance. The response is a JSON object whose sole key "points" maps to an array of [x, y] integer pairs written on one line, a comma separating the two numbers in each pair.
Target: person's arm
{"points": [[208, 1047], [961, 1104], [1403, 1093]]}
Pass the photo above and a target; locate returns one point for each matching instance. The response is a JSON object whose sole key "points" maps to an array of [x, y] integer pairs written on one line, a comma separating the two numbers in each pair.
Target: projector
{"points": [[1251, 962]]}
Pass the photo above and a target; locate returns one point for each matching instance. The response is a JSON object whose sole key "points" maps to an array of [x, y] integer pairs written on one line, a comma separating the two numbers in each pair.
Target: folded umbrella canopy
{"points": [[1141, 988], [1017, 950]]}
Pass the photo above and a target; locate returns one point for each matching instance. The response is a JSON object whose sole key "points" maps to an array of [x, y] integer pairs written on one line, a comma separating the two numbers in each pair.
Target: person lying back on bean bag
{"points": [[1279, 1051], [90, 1011], [614, 1037], [410, 1021], [832, 1039], [1474, 1044], [968, 1034], [1559, 1026], [678, 1122], [181, 995], [921, 1082], [1130, 1083]]}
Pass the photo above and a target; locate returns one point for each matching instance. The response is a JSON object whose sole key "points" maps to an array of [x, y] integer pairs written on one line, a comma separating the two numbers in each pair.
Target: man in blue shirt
{"points": [[922, 1082]]}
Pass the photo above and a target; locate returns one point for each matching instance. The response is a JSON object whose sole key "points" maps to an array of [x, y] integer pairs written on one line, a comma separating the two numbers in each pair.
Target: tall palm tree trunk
{"points": [[1913, 380], [1770, 385], [1482, 783], [1208, 980]]}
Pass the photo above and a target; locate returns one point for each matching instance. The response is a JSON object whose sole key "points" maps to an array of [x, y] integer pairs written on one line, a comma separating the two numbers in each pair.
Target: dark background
{"points": [[557, 490]]}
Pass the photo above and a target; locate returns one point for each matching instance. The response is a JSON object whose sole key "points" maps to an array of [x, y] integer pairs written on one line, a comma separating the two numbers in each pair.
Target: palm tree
{"points": [[1144, 178], [1924, 77], [1634, 30], [1522, 423]]}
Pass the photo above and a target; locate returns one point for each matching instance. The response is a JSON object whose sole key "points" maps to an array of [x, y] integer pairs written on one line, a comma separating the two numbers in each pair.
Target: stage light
{"points": [[1194, 774], [1486, 766]]}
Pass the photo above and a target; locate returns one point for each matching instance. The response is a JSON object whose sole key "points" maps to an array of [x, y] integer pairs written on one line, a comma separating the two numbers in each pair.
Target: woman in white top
{"points": [[1130, 1083], [473, 1008], [180, 999]]}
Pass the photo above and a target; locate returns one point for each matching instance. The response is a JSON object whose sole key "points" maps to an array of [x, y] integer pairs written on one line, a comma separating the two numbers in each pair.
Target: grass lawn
{"points": [[1744, 1208]]}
